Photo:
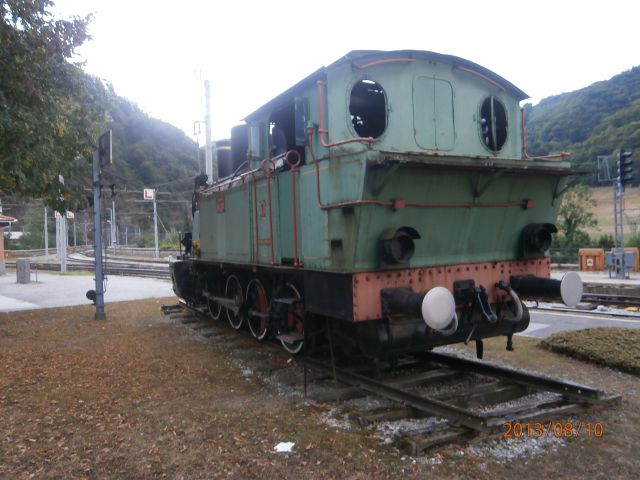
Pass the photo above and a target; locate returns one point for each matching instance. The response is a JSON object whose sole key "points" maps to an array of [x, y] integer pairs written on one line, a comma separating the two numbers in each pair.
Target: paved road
{"points": [[55, 290], [544, 323]]}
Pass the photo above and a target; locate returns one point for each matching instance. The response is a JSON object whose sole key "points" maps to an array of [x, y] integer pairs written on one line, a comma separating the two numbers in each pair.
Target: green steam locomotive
{"points": [[387, 201]]}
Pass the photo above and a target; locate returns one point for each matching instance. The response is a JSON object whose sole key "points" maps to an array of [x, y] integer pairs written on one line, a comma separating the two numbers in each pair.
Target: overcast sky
{"points": [[156, 52]]}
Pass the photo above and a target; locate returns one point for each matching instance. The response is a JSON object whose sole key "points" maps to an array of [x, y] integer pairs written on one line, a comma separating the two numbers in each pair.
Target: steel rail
{"points": [[611, 298], [572, 391], [455, 415], [462, 421]]}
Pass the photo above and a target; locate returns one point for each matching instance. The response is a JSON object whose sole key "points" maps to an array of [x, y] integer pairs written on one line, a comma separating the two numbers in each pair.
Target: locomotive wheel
{"points": [[233, 289], [294, 321], [257, 303], [215, 309]]}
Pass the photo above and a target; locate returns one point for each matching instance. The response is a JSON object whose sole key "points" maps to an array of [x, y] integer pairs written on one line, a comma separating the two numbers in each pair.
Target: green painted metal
{"points": [[432, 116]]}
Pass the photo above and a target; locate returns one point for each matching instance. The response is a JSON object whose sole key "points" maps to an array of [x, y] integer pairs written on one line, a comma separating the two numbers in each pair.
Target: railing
{"points": [[147, 252], [564, 256], [39, 252]]}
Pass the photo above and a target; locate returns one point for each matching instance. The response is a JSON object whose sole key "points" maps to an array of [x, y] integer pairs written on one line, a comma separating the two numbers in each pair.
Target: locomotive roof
{"points": [[361, 57]]}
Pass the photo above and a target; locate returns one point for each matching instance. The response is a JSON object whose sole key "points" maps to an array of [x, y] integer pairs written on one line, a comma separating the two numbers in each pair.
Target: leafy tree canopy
{"points": [[595, 120], [50, 111], [575, 215]]}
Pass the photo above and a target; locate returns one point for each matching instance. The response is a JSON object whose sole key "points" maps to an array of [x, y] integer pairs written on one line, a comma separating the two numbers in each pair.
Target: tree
{"points": [[50, 110], [574, 215]]}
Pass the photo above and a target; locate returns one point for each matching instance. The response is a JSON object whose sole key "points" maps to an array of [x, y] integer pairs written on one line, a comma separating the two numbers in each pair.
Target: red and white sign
{"points": [[149, 194]]}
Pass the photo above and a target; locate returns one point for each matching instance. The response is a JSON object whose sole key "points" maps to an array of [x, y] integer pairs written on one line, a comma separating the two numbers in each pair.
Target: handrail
{"points": [[268, 171], [322, 132], [383, 61], [294, 167], [480, 75], [524, 144]]}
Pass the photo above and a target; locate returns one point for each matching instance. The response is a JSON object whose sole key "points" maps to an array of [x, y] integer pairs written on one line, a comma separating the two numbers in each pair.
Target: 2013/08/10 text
{"points": [[517, 429]]}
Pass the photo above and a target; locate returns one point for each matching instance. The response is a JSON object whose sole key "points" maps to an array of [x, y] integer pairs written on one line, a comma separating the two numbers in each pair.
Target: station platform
{"points": [[48, 290], [600, 277]]}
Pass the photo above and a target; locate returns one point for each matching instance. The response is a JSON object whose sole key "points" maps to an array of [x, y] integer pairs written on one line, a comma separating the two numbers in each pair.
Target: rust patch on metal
{"points": [[219, 203], [367, 286]]}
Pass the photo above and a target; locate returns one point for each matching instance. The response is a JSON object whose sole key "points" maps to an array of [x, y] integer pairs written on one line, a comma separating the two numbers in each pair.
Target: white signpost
{"points": [[150, 194]]}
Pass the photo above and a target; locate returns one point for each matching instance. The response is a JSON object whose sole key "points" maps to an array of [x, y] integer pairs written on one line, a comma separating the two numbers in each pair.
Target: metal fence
{"points": [[564, 256]]}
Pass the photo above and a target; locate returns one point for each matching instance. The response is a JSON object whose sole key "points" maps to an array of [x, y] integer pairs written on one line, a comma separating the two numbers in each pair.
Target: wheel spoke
{"points": [[233, 289], [215, 309], [257, 309], [294, 323]]}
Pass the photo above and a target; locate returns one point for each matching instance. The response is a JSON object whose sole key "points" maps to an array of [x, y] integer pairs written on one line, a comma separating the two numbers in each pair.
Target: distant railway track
{"points": [[611, 299], [141, 269], [439, 398]]}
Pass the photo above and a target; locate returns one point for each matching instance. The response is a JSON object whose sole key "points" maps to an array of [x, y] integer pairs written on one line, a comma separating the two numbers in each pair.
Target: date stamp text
{"points": [[553, 429]]}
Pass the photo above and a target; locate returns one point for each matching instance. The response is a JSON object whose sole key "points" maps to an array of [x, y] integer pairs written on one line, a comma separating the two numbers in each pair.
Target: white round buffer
{"points": [[571, 289], [438, 308]]}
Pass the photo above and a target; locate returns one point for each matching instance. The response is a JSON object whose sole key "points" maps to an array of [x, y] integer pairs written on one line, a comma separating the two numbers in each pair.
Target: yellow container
{"points": [[591, 259]]}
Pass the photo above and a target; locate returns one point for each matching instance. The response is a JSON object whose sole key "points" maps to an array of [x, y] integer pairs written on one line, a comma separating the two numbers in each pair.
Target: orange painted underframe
{"points": [[367, 286]]}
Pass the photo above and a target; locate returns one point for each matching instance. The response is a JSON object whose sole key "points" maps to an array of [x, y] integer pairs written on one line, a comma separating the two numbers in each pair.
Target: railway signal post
{"points": [[617, 261], [102, 157]]}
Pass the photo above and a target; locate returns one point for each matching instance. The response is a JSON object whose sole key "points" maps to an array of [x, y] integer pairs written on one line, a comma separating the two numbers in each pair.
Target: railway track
{"points": [[438, 397], [611, 299], [141, 269]]}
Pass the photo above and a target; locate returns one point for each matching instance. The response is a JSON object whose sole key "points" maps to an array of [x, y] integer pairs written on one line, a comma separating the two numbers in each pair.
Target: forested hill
{"points": [[596, 120], [148, 152]]}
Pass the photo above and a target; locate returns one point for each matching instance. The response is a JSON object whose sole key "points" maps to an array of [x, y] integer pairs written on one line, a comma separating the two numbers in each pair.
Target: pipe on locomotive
{"points": [[437, 307], [569, 289]]}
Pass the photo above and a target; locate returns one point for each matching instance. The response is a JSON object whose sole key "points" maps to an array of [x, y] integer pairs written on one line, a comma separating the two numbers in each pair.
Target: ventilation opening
{"points": [[493, 123], [368, 109]]}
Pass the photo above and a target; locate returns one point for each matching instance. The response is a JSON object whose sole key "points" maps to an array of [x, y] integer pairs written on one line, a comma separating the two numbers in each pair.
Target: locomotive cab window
{"points": [[493, 123], [368, 108]]}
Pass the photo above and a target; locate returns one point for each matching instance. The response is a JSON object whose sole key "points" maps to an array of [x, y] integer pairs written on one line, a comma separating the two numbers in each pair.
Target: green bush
{"points": [[605, 241], [632, 240]]}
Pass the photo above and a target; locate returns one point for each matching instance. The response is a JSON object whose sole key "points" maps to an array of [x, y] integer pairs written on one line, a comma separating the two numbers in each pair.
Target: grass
{"points": [[613, 347], [603, 210]]}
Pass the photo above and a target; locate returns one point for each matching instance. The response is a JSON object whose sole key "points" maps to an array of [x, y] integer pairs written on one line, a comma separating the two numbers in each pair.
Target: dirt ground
{"points": [[135, 397]]}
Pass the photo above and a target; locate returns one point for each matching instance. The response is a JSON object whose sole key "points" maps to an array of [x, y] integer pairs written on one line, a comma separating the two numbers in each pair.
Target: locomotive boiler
{"points": [[385, 201]]}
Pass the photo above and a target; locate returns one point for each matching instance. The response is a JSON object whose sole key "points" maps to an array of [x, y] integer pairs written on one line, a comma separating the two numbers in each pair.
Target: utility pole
{"points": [[57, 216], [101, 157], [46, 233], [63, 242], [208, 148], [114, 233], [155, 225]]}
